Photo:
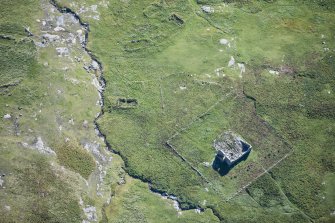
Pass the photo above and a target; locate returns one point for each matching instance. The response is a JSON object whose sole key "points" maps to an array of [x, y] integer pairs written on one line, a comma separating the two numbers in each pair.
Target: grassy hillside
{"points": [[53, 166], [31, 191], [178, 73]]}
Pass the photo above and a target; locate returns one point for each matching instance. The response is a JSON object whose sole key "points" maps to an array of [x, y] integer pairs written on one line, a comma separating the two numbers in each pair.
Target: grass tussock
{"points": [[75, 157]]}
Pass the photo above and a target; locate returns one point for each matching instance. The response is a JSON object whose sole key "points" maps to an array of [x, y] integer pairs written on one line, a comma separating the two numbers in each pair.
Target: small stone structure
{"points": [[231, 148], [177, 19], [125, 103]]}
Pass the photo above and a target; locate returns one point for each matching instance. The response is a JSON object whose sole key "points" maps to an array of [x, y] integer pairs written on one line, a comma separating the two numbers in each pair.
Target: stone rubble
{"points": [[207, 9], [231, 61], [7, 116], [39, 145]]}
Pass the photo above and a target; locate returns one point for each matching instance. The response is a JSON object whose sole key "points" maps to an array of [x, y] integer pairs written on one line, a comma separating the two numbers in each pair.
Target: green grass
{"points": [[169, 68], [32, 189], [30, 80], [134, 202], [307, 124], [154, 72], [17, 60], [267, 194], [196, 144]]}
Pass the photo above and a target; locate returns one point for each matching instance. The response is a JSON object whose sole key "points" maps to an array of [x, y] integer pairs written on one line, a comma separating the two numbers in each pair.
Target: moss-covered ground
{"points": [[271, 80], [172, 71]]}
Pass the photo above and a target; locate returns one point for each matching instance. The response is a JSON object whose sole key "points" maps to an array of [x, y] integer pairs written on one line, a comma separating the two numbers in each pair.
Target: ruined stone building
{"points": [[231, 148]]}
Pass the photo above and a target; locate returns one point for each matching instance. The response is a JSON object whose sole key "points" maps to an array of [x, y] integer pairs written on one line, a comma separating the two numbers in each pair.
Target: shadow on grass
{"points": [[223, 168]]}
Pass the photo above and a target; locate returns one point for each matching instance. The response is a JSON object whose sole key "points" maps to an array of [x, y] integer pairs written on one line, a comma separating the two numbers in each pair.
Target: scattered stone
{"points": [[39, 44], [225, 42], [96, 17], [7, 116], [241, 66], [207, 9], [7, 208], [1, 181], [73, 80], [71, 121], [176, 205], [183, 87], [121, 181], [50, 37], [90, 212], [62, 51], [58, 29], [68, 44], [206, 164], [273, 72], [81, 36], [77, 58], [231, 62], [25, 145], [60, 21], [81, 202], [39, 145], [219, 71], [71, 39], [97, 132], [87, 68], [94, 8], [104, 3], [95, 65], [96, 84]]}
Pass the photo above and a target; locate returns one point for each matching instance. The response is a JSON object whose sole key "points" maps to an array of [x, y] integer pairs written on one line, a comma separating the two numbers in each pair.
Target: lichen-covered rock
{"points": [[62, 51], [207, 9], [7, 116]]}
